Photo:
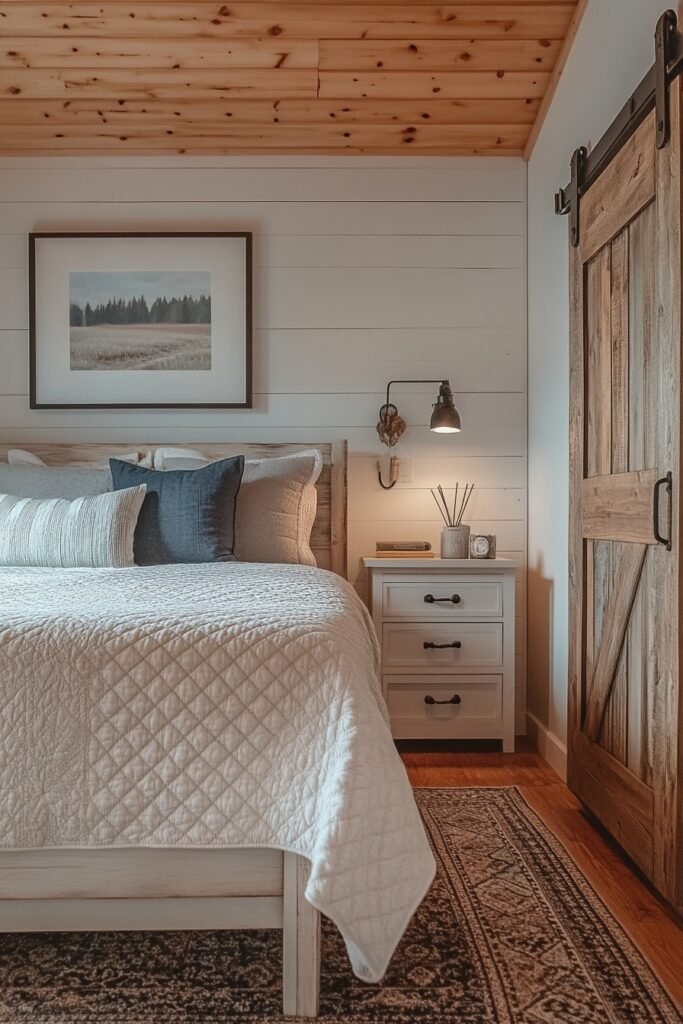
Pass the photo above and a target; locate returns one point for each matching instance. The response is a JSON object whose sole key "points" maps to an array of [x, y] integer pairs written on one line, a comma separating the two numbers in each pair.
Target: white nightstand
{"points": [[447, 631]]}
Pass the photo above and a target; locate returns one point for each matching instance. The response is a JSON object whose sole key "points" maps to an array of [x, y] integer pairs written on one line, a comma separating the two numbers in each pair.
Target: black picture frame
{"points": [[33, 286]]}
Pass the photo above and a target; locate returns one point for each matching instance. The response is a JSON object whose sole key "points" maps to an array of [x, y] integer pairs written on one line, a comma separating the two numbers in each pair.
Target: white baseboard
{"points": [[551, 749]]}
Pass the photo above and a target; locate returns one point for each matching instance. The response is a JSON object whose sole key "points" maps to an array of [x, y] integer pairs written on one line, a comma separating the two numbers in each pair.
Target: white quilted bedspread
{"points": [[210, 706]]}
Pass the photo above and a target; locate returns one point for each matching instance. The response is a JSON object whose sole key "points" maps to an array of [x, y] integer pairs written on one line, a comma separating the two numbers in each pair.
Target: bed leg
{"points": [[300, 942]]}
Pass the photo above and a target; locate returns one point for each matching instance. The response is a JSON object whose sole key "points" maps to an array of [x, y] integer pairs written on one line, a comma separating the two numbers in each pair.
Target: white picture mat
{"points": [[224, 258]]}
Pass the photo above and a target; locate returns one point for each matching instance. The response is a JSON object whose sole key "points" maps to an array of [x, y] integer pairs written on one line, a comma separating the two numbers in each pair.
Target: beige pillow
{"points": [[93, 532], [276, 506]]}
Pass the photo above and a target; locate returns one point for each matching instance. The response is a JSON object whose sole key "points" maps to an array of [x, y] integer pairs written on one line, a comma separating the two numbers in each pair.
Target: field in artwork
{"points": [[147, 347], [140, 319]]}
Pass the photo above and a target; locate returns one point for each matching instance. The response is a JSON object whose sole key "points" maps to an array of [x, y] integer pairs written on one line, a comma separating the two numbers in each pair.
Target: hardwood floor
{"points": [[651, 924]]}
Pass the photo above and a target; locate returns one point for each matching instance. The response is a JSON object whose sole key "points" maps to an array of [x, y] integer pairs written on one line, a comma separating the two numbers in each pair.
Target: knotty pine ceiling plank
{"points": [[152, 83], [438, 55], [219, 139], [132, 5], [252, 149], [424, 84], [194, 52], [330, 55], [137, 113], [117, 18]]}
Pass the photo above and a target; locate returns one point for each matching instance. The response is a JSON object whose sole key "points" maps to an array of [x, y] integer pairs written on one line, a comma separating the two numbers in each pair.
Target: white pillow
{"points": [[93, 532]]}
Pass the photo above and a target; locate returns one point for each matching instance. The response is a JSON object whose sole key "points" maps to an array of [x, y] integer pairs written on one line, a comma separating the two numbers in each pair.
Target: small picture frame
{"points": [[141, 320], [483, 545]]}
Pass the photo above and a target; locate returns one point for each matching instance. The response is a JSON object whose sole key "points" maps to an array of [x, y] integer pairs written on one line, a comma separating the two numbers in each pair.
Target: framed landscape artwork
{"points": [[130, 321]]}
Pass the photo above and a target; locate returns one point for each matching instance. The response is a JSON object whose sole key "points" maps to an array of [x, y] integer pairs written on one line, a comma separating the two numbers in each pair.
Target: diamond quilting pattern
{"points": [[213, 705]]}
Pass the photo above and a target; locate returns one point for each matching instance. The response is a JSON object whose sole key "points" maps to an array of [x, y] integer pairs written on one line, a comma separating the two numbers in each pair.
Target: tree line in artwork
{"points": [[187, 310]]}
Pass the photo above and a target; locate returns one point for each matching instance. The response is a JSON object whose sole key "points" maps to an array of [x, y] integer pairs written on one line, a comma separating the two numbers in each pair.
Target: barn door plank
{"points": [[599, 365], [614, 728], [619, 507], [667, 748], [622, 802], [598, 401], [619, 325], [616, 617], [578, 548], [644, 357], [631, 178]]}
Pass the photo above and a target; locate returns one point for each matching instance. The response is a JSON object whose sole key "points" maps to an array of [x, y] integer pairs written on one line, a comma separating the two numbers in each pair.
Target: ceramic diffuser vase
{"points": [[455, 537], [455, 542]]}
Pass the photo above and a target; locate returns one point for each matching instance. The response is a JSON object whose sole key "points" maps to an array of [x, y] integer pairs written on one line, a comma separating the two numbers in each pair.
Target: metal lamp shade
{"points": [[445, 418]]}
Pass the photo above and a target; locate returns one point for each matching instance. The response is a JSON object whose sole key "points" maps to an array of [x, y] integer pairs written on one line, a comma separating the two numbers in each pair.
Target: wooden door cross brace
{"points": [[613, 634]]}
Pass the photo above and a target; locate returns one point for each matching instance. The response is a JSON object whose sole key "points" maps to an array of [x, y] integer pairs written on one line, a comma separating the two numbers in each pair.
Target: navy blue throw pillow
{"points": [[188, 515]]}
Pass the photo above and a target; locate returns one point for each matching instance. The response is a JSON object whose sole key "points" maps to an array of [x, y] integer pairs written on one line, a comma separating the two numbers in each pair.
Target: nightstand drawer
{"points": [[440, 645], [474, 706], [442, 596]]}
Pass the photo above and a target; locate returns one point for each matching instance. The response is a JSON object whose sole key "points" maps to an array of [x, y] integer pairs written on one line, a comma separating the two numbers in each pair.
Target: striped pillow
{"points": [[93, 532]]}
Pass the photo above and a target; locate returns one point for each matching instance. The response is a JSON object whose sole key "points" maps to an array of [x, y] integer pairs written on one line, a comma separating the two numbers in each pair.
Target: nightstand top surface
{"points": [[457, 564]]}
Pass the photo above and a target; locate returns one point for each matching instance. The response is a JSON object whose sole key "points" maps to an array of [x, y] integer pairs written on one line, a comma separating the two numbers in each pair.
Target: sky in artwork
{"points": [[99, 286]]}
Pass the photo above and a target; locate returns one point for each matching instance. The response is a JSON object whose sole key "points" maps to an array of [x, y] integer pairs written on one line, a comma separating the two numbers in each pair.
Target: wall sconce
{"points": [[445, 418]]}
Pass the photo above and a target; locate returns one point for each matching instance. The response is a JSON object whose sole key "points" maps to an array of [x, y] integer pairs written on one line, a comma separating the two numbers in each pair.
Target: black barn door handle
{"points": [[668, 481], [455, 699]]}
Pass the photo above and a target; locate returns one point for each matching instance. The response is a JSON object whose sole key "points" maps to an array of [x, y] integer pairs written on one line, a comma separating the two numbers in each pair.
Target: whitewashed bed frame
{"points": [[176, 889]]}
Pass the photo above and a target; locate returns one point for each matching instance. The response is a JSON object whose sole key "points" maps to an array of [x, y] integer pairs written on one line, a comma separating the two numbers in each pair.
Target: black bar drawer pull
{"points": [[455, 699], [668, 481], [430, 599], [429, 645]]}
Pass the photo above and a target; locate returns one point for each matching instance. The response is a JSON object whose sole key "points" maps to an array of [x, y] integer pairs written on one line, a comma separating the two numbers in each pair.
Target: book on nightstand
{"points": [[403, 549], [404, 554]]}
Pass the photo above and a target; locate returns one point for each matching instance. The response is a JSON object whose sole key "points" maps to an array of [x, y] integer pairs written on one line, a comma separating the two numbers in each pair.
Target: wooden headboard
{"points": [[328, 539]]}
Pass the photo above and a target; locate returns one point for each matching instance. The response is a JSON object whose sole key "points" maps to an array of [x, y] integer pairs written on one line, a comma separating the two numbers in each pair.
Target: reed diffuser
{"points": [[455, 537]]}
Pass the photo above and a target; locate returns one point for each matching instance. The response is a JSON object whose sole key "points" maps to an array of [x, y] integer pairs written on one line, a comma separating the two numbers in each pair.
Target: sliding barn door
{"points": [[624, 490]]}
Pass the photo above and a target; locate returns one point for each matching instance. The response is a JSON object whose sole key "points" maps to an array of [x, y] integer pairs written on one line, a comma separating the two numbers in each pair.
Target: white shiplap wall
{"points": [[366, 269]]}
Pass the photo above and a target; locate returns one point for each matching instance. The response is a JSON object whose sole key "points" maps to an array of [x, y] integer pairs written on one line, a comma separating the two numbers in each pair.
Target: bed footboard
{"points": [[161, 890], [300, 942]]}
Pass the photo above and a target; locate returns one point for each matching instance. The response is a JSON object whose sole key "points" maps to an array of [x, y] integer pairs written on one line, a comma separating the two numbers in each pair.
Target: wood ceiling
{"points": [[207, 77]]}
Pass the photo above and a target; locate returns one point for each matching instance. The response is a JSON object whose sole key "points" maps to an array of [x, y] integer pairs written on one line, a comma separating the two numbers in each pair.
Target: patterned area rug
{"points": [[511, 933]]}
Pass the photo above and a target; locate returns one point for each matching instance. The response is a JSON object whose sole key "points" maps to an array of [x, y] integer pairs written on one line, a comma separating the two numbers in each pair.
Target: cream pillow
{"points": [[164, 458], [276, 506], [94, 532], [19, 457]]}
